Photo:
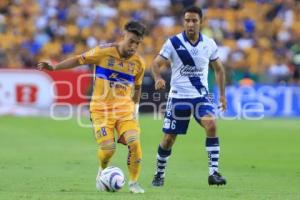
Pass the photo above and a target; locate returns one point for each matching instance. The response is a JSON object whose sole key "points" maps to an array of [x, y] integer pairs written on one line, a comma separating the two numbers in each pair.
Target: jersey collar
{"points": [[186, 39]]}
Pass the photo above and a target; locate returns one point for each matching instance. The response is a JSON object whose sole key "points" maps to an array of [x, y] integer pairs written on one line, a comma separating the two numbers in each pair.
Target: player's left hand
{"points": [[223, 103]]}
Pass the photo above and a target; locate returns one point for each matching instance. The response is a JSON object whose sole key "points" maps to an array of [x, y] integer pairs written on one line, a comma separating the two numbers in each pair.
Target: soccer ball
{"points": [[111, 179]]}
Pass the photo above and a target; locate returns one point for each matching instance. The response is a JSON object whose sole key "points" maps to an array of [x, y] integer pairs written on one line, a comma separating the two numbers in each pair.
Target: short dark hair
{"points": [[193, 9], [135, 27]]}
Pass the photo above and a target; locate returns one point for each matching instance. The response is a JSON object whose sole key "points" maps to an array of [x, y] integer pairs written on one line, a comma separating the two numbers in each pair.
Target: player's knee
{"points": [[106, 150], [134, 147], [168, 141], [109, 145], [132, 139], [210, 127]]}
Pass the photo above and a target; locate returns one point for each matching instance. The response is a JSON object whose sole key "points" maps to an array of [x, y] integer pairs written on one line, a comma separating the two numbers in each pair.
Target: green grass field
{"points": [[45, 159]]}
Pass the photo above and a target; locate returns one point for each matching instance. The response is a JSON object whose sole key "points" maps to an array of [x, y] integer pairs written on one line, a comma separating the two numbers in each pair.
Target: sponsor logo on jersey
{"points": [[113, 75], [194, 51], [117, 85], [191, 71], [180, 48]]}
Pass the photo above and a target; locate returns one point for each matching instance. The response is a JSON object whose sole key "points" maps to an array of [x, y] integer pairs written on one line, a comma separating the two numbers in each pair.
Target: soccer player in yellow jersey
{"points": [[118, 75]]}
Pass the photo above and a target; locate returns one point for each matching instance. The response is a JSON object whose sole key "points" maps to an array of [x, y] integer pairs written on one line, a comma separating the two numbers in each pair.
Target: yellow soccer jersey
{"points": [[114, 78]]}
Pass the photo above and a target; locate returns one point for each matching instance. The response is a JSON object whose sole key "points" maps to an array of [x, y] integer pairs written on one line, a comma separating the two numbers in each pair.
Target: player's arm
{"points": [[155, 66], [90, 57], [65, 64], [137, 94], [138, 86], [136, 99], [220, 77]]}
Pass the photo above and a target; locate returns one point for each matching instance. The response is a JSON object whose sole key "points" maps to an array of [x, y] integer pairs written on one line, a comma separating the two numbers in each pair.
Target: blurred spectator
{"points": [[249, 33], [246, 80], [3, 58], [296, 76], [279, 72], [295, 50]]}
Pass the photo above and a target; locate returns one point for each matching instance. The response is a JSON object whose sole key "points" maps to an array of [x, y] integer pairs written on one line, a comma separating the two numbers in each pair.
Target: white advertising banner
{"points": [[30, 88]]}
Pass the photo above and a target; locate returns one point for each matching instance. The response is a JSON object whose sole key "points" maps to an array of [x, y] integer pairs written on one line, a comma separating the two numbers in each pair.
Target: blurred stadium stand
{"points": [[259, 40]]}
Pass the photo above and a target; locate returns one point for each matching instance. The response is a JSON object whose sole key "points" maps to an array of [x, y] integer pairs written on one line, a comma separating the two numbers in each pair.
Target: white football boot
{"points": [[98, 187], [135, 188]]}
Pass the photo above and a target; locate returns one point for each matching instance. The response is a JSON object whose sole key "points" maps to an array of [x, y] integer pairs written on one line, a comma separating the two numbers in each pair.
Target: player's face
{"points": [[192, 23], [130, 43]]}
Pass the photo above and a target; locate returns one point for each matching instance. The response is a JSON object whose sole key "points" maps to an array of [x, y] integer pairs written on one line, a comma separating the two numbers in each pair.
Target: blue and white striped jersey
{"points": [[189, 64]]}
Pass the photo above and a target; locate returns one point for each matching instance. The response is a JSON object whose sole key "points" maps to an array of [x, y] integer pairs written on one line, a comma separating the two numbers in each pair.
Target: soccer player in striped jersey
{"points": [[118, 73], [189, 54]]}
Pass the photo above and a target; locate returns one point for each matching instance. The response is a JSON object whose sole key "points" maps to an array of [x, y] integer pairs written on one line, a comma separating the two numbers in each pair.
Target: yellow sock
{"points": [[104, 157], [134, 160]]}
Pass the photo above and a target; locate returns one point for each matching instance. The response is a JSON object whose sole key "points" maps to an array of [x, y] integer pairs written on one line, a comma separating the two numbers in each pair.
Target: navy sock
{"points": [[162, 158], [213, 149]]}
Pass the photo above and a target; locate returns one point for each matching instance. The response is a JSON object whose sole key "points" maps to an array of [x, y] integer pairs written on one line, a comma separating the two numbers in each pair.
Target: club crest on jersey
{"points": [[191, 71], [111, 62], [131, 66]]}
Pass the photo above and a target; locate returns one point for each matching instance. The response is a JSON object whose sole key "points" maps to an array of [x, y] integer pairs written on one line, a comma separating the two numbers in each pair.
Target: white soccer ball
{"points": [[111, 179]]}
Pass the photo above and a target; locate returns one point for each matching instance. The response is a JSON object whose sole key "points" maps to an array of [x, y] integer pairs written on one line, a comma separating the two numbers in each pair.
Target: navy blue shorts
{"points": [[179, 111]]}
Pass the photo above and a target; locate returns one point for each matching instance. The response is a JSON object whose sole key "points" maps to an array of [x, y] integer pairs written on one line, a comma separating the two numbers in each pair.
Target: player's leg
{"points": [[104, 135], [129, 132], [105, 152], [134, 154], [213, 151], [204, 114], [163, 153], [105, 139], [176, 122]]}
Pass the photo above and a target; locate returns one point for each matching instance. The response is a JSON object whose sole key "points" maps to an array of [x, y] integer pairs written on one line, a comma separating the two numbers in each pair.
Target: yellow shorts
{"points": [[104, 124]]}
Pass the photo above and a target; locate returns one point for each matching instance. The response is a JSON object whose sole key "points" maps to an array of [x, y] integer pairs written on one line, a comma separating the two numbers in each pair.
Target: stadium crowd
{"points": [[259, 40]]}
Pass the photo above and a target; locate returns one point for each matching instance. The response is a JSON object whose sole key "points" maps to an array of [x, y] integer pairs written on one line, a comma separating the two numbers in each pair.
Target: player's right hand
{"points": [[160, 84], [45, 65], [223, 103]]}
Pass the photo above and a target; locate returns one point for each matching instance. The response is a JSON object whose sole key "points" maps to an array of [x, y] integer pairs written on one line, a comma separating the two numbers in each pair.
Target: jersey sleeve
{"points": [[140, 74], [90, 57], [166, 50], [214, 55]]}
